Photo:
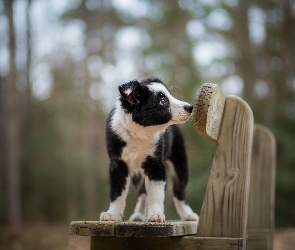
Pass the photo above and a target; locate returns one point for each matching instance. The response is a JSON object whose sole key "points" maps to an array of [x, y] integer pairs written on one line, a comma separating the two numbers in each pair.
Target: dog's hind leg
{"points": [[183, 209], [119, 180], [179, 169], [139, 213]]}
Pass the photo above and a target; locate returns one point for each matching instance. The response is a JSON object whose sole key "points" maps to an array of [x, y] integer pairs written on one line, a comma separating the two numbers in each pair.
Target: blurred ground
{"points": [[284, 239], [55, 237]]}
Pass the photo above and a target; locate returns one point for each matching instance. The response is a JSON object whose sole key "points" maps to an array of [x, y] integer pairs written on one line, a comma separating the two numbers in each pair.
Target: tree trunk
{"points": [[287, 54], [28, 92], [3, 149], [87, 133], [245, 65], [12, 129]]}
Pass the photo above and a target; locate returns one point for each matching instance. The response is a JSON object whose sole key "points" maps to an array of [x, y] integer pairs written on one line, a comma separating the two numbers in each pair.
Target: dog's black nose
{"points": [[188, 108]]}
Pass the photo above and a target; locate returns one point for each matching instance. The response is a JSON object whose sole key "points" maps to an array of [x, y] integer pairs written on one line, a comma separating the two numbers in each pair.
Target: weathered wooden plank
{"points": [[262, 188], [259, 239], [92, 228], [133, 229], [225, 206], [224, 211], [171, 243], [153, 229], [209, 110]]}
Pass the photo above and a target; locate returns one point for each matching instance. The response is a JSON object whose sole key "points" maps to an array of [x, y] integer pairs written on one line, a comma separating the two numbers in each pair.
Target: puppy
{"points": [[143, 137]]}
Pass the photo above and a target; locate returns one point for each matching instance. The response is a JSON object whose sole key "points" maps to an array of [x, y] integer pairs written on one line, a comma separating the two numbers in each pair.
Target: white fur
{"points": [[184, 210], [135, 153], [140, 142], [179, 115], [155, 200], [124, 126], [117, 207], [140, 209], [128, 91]]}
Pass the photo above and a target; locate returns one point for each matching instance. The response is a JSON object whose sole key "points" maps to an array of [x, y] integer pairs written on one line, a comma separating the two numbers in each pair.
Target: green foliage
{"points": [[64, 174], [285, 184]]}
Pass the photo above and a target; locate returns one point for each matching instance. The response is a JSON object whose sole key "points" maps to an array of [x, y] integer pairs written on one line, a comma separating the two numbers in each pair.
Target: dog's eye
{"points": [[163, 100]]}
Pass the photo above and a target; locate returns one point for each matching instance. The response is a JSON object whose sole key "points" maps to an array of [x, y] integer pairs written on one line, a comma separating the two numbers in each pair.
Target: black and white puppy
{"points": [[142, 139]]}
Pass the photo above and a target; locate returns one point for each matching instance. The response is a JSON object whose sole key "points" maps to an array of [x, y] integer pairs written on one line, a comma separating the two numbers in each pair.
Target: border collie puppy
{"points": [[143, 138]]}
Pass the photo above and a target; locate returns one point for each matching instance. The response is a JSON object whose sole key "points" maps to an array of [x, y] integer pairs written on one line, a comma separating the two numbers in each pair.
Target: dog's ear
{"points": [[130, 91]]}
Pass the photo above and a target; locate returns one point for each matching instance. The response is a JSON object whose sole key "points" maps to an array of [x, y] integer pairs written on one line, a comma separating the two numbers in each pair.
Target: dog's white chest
{"points": [[140, 141], [136, 152]]}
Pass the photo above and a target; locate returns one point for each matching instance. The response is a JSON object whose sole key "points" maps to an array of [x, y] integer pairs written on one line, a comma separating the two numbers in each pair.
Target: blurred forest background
{"points": [[61, 63]]}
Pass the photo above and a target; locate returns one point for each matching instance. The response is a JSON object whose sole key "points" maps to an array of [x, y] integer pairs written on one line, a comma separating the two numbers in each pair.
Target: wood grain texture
{"points": [[92, 228], [262, 187], [259, 239], [133, 229], [208, 111], [225, 206], [171, 243]]}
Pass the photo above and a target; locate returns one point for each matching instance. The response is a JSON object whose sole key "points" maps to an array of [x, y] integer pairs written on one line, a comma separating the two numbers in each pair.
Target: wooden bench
{"points": [[262, 190], [227, 121]]}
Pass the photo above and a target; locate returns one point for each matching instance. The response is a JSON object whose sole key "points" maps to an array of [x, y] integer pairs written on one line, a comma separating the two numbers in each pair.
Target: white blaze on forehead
{"points": [[128, 91], [158, 87], [179, 115]]}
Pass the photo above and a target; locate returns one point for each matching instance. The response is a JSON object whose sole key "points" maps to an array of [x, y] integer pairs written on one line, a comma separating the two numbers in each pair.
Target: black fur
{"points": [[143, 104], [138, 183], [179, 159], [147, 108], [118, 174], [114, 143]]}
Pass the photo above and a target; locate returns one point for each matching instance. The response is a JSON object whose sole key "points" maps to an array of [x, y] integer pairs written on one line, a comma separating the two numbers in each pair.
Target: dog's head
{"points": [[150, 103]]}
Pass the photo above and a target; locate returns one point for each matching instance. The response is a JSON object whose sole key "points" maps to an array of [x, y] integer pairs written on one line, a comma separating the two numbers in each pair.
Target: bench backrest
{"points": [[228, 121], [262, 190]]}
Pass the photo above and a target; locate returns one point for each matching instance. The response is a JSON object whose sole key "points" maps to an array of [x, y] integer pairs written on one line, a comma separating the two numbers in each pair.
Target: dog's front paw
{"points": [[156, 217], [191, 217], [137, 217], [105, 216]]}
